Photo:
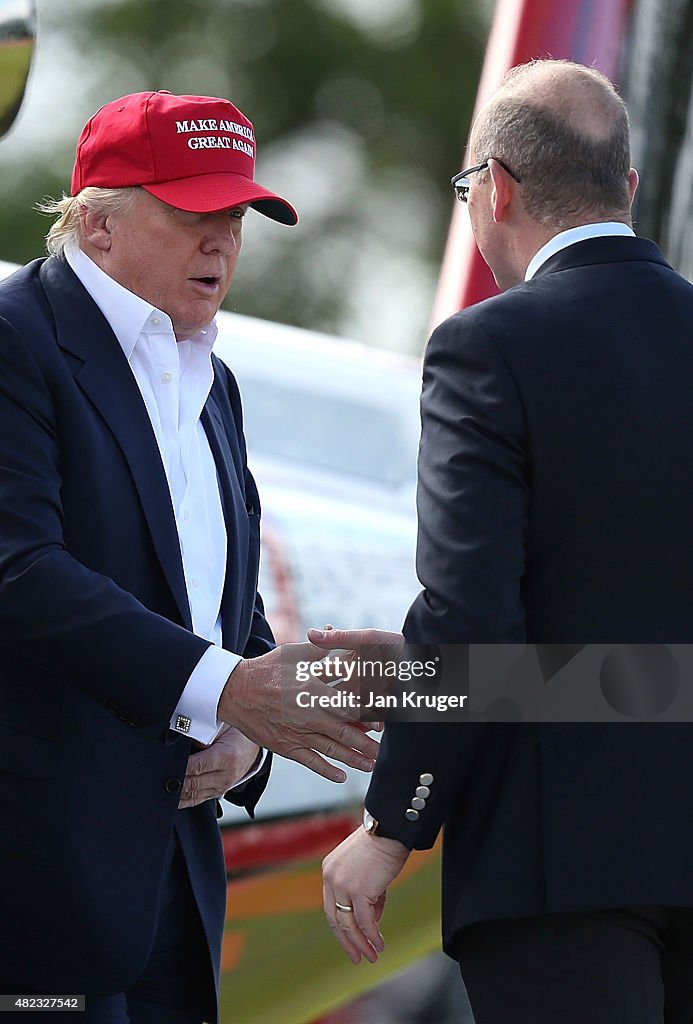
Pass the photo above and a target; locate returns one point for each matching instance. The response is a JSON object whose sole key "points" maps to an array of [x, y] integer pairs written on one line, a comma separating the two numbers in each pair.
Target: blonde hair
{"points": [[67, 228]]}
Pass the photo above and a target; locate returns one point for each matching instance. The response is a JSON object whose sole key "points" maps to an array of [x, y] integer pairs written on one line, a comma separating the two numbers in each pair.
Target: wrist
{"points": [[381, 842], [232, 695]]}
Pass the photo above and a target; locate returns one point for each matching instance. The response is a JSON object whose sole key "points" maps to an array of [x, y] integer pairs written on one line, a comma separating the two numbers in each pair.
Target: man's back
{"points": [[601, 353], [569, 397]]}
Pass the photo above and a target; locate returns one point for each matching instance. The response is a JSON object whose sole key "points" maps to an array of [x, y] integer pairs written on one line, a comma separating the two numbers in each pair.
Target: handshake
{"points": [[279, 704]]}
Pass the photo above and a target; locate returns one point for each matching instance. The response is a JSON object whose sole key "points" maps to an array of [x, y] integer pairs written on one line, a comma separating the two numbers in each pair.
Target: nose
{"points": [[220, 235]]}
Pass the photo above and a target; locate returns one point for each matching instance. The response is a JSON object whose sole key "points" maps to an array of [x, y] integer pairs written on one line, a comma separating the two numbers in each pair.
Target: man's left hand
{"points": [[357, 874], [213, 771]]}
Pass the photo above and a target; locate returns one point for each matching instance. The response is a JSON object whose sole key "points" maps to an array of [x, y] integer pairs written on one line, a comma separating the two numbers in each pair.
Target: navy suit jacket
{"points": [[96, 645], [555, 506]]}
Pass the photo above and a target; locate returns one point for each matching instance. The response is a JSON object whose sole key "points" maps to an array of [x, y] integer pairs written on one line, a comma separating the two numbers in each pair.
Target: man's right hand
{"points": [[260, 699]]}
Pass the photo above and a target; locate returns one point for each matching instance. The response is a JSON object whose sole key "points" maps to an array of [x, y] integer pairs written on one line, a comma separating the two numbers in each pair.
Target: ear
{"points": [[633, 181], [502, 191], [96, 228]]}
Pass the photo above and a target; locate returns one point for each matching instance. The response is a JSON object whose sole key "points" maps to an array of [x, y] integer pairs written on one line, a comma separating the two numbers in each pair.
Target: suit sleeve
{"points": [[69, 620], [473, 506]]}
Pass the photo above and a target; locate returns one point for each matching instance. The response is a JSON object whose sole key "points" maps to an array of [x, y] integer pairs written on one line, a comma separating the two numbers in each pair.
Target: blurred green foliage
{"points": [[361, 109], [15, 59]]}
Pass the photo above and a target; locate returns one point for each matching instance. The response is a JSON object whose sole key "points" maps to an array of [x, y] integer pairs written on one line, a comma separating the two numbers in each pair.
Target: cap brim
{"points": [[207, 192]]}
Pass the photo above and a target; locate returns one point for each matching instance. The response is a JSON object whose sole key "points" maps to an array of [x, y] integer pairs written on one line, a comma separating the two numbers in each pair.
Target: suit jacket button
{"points": [[411, 815], [173, 785], [426, 779]]}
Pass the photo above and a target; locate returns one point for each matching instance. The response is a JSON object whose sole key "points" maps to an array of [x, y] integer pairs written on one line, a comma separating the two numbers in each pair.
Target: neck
{"points": [[541, 237]]}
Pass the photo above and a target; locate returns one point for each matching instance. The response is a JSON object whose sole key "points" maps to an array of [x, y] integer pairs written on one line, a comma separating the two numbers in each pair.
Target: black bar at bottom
{"points": [[41, 1004]]}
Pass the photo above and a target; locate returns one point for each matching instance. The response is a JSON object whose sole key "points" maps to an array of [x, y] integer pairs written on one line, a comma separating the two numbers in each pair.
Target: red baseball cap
{"points": [[193, 152]]}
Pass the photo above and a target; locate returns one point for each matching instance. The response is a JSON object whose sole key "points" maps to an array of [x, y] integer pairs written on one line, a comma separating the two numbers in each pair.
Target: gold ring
{"points": [[344, 907]]}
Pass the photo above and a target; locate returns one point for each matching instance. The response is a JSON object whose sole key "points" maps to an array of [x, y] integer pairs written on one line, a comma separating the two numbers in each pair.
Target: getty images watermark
{"points": [[561, 683], [371, 694]]}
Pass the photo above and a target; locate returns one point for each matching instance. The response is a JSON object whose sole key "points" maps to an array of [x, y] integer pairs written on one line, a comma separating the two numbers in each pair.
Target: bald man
{"points": [[555, 506]]}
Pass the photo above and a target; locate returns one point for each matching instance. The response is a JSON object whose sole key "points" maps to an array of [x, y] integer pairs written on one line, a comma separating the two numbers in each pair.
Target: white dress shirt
{"points": [[174, 379], [565, 238]]}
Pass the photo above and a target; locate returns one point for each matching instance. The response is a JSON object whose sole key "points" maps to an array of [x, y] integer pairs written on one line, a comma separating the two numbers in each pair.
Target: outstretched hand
{"points": [[277, 703]]}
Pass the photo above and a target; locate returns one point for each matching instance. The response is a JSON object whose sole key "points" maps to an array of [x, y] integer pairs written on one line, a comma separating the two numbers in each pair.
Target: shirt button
{"points": [[194, 582], [166, 378], [186, 516], [156, 321]]}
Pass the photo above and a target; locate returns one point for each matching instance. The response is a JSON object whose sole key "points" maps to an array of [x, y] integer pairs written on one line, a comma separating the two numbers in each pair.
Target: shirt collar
{"points": [[565, 238], [128, 315]]}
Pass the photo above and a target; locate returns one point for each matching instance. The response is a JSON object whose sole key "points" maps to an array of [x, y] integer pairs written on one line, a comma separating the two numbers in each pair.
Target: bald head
{"points": [[579, 96], [563, 130]]}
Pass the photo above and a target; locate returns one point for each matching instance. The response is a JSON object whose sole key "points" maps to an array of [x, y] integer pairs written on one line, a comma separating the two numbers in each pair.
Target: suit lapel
{"points": [[235, 516], [102, 372]]}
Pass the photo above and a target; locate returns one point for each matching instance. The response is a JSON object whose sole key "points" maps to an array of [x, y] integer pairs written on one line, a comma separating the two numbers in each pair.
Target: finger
{"points": [[308, 754], [213, 788], [353, 639], [212, 783], [348, 639], [370, 726], [344, 937], [365, 919], [351, 932], [351, 738], [335, 726], [199, 764], [354, 749], [190, 790], [311, 759], [340, 934], [191, 798]]}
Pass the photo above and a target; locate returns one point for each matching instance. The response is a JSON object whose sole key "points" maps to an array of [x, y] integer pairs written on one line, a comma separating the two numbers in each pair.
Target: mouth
{"points": [[208, 284]]}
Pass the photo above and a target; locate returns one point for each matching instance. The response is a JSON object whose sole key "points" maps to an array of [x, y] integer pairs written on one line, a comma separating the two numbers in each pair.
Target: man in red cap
{"points": [[138, 675]]}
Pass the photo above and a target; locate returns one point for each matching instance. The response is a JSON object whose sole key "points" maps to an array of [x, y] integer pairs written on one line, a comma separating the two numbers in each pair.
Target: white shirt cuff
{"points": [[195, 714]]}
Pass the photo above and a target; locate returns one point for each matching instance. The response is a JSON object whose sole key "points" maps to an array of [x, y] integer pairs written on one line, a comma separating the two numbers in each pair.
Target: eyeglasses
{"points": [[461, 183]]}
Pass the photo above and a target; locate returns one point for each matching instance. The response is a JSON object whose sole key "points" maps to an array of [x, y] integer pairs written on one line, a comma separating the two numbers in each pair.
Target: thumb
{"points": [[347, 639], [330, 637]]}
